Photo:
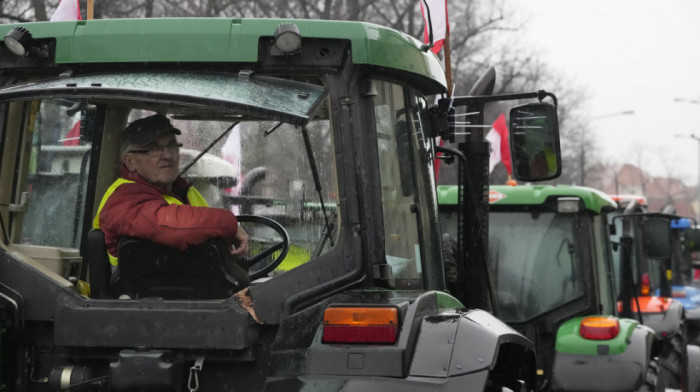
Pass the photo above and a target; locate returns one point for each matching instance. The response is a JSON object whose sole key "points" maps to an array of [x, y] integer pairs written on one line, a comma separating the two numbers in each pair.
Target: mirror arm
{"points": [[450, 153], [470, 100]]}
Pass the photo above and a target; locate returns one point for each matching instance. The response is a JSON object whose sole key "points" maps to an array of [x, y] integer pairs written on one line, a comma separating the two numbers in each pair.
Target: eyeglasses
{"points": [[157, 149]]}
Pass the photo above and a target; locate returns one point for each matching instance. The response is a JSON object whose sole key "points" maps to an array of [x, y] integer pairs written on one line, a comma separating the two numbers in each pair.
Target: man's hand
{"points": [[240, 242]]}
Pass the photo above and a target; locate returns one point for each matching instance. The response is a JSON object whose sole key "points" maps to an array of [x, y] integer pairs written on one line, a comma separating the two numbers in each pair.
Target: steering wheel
{"points": [[283, 244]]}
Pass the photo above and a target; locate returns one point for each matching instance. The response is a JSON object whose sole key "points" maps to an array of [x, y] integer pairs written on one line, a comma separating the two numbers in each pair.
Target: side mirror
{"points": [[691, 238], [534, 142], [657, 238]]}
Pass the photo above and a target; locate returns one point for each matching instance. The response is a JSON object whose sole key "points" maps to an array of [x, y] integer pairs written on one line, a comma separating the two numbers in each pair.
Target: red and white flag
{"points": [[67, 10], [500, 146], [435, 16], [73, 137]]}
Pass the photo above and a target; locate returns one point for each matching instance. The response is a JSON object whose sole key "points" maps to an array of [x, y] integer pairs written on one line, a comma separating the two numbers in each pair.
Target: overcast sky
{"points": [[629, 55]]}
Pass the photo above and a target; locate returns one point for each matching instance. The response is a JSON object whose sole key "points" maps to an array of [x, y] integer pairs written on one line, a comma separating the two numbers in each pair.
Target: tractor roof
{"points": [[222, 40], [593, 199]]}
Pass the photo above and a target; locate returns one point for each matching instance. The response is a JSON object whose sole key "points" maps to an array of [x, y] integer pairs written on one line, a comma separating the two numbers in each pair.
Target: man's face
{"points": [[157, 162]]}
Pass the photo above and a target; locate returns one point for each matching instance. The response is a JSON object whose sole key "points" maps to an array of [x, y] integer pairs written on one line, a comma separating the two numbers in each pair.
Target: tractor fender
{"points": [[692, 320], [625, 371], [474, 341], [453, 351], [668, 323], [693, 368], [693, 315], [438, 341]]}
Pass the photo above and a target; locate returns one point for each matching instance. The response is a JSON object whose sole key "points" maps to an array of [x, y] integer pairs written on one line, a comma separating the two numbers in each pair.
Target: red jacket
{"points": [[140, 210]]}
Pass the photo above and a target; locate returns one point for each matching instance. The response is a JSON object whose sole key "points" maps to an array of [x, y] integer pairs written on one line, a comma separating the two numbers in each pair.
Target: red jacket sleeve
{"points": [[134, 210]]}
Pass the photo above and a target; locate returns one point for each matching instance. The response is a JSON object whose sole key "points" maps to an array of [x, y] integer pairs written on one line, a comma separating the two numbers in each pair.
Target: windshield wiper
{"points": [[201, 154], [328, 230], [269, 131]]}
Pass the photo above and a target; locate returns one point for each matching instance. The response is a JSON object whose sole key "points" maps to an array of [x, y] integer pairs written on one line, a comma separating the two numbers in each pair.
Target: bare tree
{"points": [[670, 185], [638, 156], [39, 10], [17, 11], [474, 24]]}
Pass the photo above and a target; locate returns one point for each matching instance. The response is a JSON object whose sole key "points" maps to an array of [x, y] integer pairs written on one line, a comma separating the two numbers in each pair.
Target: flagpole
{"points": [[90, 8], [448, 63]]}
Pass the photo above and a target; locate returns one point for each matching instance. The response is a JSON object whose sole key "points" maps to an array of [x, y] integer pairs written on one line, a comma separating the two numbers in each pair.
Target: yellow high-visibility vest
{"points": [[193, 196]]}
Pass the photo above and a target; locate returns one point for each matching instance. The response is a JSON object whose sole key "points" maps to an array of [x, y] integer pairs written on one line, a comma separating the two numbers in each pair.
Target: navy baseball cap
{"points": [[143, 131]]}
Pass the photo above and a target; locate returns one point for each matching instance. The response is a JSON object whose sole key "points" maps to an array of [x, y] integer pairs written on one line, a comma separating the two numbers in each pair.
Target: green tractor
{"points": [[689, 291], [551, 265], [328, 129], [649, 259]]}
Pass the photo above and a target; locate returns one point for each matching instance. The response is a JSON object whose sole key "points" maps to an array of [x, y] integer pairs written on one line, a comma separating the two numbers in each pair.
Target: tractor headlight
{"points": [[287, 38], [18, 40]]}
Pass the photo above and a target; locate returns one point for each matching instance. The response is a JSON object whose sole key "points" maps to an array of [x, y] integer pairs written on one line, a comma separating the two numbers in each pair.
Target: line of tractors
{"points": [[597, 282]]}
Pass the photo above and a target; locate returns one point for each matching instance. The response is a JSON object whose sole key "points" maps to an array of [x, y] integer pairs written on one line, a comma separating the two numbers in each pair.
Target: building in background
{"points": [[659, 191]]}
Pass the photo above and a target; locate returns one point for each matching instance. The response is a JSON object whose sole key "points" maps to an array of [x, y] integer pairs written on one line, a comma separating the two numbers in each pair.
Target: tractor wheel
{"points": [[653, 382], [672, 362]]}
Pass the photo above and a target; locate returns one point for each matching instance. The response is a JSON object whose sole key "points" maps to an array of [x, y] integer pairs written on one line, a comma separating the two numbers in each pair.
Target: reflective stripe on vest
{"points": [[193, 196]]}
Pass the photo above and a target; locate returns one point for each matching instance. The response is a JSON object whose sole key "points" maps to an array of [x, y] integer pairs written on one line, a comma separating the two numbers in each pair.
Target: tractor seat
{"points": [[205, 271]]}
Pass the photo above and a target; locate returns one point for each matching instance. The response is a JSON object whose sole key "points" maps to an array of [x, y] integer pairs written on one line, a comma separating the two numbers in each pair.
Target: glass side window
{"points": [[241, 149], [525, 251], [425, 185], [58, 173], [50, 183], [249, 170], [254, 173], [401, 236]]}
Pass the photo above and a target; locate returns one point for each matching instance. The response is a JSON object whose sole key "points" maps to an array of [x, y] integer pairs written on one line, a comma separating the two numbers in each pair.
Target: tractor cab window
{"points": [[256, 146], [398, 143], [527, 249], [58, 174], [254, 174], [48, 189]]}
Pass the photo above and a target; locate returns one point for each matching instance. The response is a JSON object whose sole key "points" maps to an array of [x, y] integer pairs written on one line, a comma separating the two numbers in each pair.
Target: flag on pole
{"points": [[73, 137], [436, 161], [67, 10], [436, 16], [500, 146]]}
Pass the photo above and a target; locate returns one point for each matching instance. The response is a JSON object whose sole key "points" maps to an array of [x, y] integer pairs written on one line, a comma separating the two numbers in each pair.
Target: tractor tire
{"points": [[653, 382], [673, 363]]}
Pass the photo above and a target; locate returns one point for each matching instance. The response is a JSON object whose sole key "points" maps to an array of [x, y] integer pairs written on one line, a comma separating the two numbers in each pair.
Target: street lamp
{"points": [[697, 187], [583, 148], [697, 139], [695, 101]]}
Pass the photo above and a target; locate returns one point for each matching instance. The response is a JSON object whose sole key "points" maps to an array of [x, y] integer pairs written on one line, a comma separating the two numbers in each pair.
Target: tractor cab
{"points": [[648, 255], [318, 135]]}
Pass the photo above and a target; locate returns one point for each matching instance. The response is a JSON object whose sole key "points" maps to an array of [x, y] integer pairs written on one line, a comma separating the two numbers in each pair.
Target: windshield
{"points": [[534, 262], [241, 158]]}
